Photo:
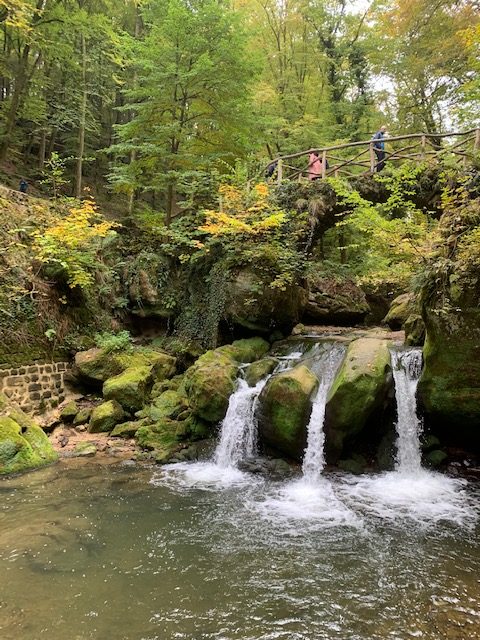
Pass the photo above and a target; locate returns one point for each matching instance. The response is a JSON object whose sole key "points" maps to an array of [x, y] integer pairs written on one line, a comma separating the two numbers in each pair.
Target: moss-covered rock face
{"points": [[360, 387], [95, 366], [69, 412], [252, 304], [161, 438], [247, 350], [170, 404], [260, 370], [127, 429], [23, 444], [285, 406], [209, 383], [399, 311], [130, 388], [335, 301], [105, 417]]}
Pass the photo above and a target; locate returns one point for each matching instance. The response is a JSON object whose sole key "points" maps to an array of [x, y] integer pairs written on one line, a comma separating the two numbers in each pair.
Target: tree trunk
{"points": [[10, 120], [83, 118], [41, 151], [133, 153]]}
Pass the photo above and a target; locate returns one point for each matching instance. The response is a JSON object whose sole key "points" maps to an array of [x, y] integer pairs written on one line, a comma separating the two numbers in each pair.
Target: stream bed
{"points": [[91, 551]]}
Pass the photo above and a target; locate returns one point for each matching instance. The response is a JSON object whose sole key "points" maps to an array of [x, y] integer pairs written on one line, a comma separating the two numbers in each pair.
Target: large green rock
{"points": [[400, 309], [170, 404], [285, 407], [23, 444], [359, 389], [449, 389], [130, 388], [246, 350], [95, 366], [259, 370], [105, 417], [209, 384]]}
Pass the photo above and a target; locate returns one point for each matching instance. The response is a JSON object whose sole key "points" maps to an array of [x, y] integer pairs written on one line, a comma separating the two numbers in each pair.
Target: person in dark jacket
{"points": [[379, 147], [23, 187]]}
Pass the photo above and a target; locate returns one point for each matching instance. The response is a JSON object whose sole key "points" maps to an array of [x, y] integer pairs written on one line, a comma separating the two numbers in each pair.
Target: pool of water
{"points": [[197, 552]]}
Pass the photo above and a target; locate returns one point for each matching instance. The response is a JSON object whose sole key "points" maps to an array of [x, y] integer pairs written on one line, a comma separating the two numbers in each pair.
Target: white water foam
{"points": [[202, 475], [425, 498], [314, 458]]}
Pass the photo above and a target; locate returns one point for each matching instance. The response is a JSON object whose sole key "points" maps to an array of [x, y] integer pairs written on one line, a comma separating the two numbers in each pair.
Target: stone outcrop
{"points": [[105, 417], [285, 406], [335, 301], [359, 389]]}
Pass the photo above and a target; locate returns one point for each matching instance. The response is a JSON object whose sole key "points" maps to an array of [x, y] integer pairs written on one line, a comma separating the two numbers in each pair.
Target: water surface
{"points": [[122, 553]]}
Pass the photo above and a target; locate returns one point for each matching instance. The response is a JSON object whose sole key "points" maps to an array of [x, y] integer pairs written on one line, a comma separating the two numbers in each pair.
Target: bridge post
{"points": [[372, 158], [476, 145], [424, 144], [279, 171], [324, 164]]}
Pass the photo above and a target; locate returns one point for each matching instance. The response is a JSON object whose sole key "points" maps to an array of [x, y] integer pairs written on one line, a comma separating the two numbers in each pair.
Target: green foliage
{"points": [[111, 342]]}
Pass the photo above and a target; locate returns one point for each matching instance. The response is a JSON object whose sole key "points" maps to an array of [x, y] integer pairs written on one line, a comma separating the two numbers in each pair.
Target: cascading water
{"points": [[238, 436], [238, 433], [326, 368], [407, 367]]}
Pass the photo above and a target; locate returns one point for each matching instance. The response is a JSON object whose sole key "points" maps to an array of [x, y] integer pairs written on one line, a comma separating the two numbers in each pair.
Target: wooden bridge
{"points": [[339, 160]]}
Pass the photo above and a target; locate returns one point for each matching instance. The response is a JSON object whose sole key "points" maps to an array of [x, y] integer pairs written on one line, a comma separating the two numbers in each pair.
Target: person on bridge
{"points": [[314, 166], [379, 147]]}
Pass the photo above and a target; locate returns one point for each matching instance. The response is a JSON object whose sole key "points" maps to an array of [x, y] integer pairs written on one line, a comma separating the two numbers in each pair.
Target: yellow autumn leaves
{"points": [[239, 213]]}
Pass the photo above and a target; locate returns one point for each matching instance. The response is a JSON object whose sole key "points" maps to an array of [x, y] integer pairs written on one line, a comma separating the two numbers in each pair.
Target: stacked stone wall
{"points": [[35, 387]]}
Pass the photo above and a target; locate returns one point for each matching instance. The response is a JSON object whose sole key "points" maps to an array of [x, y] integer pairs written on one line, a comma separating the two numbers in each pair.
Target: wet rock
{"points": [[260, 370], [436, 458], [360, 387], [247, 350], [285, 406]]}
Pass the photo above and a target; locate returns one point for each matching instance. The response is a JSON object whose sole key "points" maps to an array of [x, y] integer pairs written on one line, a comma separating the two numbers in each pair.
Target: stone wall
{"points": [[35, 387]]}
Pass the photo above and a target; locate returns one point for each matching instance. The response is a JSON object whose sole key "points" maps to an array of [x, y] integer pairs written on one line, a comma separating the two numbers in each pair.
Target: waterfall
{"points": [[326, 367], [238, 431], [238, 435], [407, 367]]}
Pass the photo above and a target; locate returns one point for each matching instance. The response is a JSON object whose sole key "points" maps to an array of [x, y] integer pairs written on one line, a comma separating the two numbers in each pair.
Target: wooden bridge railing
{"points": [[464, 146]]}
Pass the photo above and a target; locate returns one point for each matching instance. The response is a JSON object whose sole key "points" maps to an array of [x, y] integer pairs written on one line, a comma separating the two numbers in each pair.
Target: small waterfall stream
{"points": [[325, 367], [238, 435], [407, 367]]}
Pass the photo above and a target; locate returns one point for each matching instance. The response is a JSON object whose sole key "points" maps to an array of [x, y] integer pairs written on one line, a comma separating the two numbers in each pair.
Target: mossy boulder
{"points": [[82, 417], [400, 309], [95, 366], [23, 444], [69, 411], [161, 437], [285, 407], [449, 389], [334, 300], [168, 405], [246, 350], [209, 384], [85, 450], [359, 389], [130, 388], [127, 429], [106, 416], [259, 370], [436, 458]]}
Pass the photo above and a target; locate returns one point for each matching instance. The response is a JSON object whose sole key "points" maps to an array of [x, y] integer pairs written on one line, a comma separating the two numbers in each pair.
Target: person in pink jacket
{"points": [[314, 166]]}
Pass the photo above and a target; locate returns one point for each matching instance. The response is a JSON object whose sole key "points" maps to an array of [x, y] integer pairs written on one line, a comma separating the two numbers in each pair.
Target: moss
{"points": [[247, 350], [169, 405], [21, 451], [130, 388], [127, 429], [69, 412], [359, 388], [82, 417], [105, 417], [285, 408], [85, 449], [260, 370], [161, 438], [401, 307], [95, 366], [209, 384]]}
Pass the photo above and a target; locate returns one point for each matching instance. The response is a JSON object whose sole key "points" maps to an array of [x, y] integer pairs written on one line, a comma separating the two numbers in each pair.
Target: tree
{"points": [[189, 107]]}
